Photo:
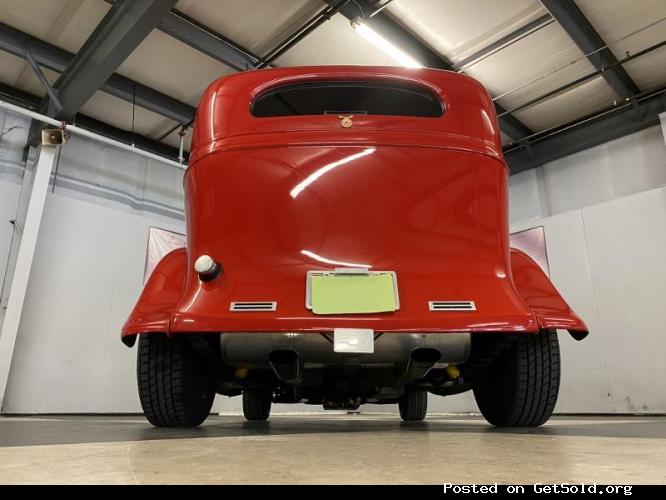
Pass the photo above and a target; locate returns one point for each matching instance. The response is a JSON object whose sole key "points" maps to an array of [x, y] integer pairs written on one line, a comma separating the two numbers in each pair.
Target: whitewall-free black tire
{"points": [[413, 405], [174, 387], [520, 388]]}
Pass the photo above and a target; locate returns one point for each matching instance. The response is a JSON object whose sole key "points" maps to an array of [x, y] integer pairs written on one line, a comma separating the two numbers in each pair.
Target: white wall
{"points": [[13, 130], [604, 213], [86, 275], [9, 195], [604, 217], [625, 166]]}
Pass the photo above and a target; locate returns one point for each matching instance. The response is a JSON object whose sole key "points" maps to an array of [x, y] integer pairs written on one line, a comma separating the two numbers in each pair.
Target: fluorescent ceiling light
{"points": [[384, 45]]}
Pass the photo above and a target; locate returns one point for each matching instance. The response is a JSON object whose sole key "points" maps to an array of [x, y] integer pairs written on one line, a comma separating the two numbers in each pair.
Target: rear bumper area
{"points": [[168, 306], [257, 325], [254, 350]]}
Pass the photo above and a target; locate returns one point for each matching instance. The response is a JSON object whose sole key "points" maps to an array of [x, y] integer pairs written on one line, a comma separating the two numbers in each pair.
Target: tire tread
{"points": [[257, 404], [520, 389], [413, 405], [167, 371]]}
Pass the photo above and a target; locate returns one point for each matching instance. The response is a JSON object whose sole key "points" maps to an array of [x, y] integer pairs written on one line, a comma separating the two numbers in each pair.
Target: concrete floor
{"points": [[332, 448]]}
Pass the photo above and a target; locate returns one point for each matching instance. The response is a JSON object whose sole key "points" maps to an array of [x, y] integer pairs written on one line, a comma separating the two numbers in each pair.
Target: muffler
{"points": [[286, 364], [252, 349], [421, 360]]}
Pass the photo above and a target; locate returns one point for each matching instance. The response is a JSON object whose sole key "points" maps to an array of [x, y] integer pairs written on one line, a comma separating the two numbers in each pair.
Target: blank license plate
{"points": [[353, 293]]}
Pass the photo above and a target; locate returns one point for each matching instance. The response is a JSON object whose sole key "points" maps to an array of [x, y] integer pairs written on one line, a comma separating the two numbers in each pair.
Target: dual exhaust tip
{"points": [[421, 360], [286, 365]]}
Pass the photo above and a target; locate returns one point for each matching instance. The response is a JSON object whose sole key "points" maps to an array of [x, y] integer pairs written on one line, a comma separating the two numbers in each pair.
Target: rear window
{"points": [[348, 98]]}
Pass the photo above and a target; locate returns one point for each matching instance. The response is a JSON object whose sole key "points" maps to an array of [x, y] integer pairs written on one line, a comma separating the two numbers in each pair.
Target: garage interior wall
{"points": [[13, 130], [603, 210]]}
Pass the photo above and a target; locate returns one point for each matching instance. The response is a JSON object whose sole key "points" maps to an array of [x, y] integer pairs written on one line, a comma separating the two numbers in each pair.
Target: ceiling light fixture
{"points": [[384, 45]]}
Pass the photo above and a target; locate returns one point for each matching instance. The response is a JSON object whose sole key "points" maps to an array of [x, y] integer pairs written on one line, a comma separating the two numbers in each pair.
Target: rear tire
{"points": [[520, 388], [413, 405], [257, 404], [174, 388]]}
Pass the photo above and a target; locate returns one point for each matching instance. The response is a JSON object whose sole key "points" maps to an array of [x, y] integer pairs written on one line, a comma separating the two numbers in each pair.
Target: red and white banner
{"points": [[533, 243], [160, 243]]}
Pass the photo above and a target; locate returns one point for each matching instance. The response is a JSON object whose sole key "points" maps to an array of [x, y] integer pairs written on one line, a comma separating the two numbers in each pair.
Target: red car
{"points": [[348, 243]]}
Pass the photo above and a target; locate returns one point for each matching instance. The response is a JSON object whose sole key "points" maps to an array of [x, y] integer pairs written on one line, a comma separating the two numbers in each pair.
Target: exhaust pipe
{"points": [[286, 365], [421, 360]]}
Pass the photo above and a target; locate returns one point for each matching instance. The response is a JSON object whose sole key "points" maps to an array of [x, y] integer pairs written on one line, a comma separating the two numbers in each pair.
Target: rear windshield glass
{"points": [[348, 98]]}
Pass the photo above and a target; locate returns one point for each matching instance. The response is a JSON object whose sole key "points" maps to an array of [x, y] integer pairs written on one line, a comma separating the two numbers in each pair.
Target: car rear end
{"points": [[348, 238], [344, 231]]}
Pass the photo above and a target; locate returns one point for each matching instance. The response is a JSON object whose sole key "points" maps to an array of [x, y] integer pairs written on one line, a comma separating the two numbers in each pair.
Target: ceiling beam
{"points": [[505, 41], [53, 97], [585, 78], [32, 102], [122, 29], [393, 31], [56, 59], [302, 31], [202, 38], [574, 22], [586, 133], [19, 97]]}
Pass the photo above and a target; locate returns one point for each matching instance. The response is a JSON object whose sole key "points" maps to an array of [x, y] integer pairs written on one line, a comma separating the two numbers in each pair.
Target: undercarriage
{"points": [[304, 367], [515, 378]]}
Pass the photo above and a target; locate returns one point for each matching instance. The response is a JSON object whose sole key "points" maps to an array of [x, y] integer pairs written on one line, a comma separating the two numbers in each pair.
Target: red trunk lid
{"points": [[269, 214]]}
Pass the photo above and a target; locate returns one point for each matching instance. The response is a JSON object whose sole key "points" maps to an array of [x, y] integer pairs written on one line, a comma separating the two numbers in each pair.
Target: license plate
{"points": [[356, 340], [343, 292]]}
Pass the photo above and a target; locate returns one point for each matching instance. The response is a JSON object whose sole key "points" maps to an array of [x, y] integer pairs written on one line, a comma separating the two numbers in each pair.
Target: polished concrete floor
{"points": [[332, 448]]}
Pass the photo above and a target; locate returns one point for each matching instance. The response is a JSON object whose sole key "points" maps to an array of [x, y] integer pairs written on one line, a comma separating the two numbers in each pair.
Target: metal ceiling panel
{"points": [[616, 20], [649, 71], [63, 23], [459, 29], [11, 68], [581, 101], [117, 112], [169, 66], [257, 25], [24, 77], [578, 27], [538, 63]]}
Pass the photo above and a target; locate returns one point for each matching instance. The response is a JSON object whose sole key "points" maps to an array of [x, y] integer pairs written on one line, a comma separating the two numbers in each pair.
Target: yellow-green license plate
{"points": [[333, 293]]}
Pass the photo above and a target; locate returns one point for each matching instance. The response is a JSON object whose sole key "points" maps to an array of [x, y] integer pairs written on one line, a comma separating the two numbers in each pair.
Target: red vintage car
{"points": [[348, 243]]}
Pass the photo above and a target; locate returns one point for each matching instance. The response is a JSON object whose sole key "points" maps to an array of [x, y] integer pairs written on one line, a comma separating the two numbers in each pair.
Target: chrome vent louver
{"points": [[253, 306], [452, 305]]}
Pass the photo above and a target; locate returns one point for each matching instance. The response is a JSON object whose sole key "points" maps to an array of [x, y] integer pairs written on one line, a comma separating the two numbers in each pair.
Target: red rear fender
{"points": [[550, 309], [159, 298]]}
